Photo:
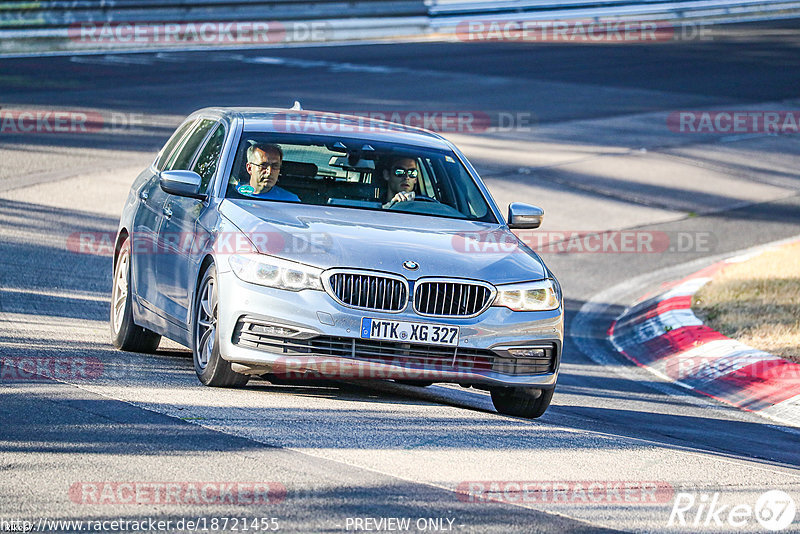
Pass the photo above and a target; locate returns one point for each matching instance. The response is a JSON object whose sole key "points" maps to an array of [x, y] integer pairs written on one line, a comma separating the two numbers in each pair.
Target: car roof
{"points": [[324, 123]]}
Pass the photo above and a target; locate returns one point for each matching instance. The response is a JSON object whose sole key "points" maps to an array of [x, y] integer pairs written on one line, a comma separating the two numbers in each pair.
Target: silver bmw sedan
{"points": [[290, 244]]}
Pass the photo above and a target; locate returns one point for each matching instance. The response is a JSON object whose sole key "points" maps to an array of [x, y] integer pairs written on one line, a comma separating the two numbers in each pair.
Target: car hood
{"points": [[328, 237]]}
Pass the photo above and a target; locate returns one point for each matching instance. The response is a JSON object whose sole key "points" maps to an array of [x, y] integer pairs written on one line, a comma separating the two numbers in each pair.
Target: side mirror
{"points": [[524, 216], [182, 183]]}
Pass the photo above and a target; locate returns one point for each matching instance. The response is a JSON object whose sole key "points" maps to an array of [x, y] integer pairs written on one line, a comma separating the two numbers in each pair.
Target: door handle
{"points": [[167, 211], [144, 195]]}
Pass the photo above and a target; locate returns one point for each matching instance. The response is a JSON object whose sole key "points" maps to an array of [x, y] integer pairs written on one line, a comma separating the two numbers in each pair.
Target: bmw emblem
{"points": [[410, 265]]}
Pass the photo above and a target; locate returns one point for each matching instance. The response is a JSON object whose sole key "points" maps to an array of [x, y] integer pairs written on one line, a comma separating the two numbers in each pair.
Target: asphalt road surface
{"points": [[586, 137]]}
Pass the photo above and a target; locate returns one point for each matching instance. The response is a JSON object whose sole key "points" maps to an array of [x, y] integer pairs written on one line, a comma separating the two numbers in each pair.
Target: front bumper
{"points": [[310, 335]]}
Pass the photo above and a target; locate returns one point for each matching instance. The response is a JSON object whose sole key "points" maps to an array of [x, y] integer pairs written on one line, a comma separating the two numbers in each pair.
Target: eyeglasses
{"points": [[267, 165], [411, 173]]}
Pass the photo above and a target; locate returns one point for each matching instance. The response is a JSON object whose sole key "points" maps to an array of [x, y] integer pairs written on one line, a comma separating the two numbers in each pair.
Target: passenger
{"points": [[264, 166], [401, 178]]}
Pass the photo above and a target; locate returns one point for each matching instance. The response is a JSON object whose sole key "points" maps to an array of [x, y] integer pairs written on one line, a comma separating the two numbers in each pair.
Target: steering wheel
{"points": [[425, 199]]}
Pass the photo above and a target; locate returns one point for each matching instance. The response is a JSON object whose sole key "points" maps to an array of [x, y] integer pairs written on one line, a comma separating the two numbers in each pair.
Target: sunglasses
{"points": [[268, 165], [411, 173]]}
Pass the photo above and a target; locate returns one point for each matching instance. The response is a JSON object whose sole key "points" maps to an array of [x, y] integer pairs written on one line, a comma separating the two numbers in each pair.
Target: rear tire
{"points": [[125, 334], [529, 403], [211, 368]]}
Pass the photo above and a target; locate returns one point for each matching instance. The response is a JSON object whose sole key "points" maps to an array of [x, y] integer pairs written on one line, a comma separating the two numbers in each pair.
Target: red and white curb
{"points": [[663, 335]]}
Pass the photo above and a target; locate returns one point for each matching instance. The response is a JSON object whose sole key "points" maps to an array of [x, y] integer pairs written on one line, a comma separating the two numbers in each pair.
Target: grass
{"points": [[757, 302]]}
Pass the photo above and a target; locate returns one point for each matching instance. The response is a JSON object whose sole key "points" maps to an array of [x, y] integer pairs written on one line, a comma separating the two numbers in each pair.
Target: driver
{"points": [[263, 166], [401, 178]]}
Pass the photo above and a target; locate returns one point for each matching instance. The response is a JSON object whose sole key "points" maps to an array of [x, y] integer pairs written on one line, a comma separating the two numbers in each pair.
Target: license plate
{"points": [[433, 334]]}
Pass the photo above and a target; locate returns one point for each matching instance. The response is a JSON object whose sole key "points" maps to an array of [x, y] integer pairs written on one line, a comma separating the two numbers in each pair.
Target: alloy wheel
{"points": [[120, 290], [206, 330]]}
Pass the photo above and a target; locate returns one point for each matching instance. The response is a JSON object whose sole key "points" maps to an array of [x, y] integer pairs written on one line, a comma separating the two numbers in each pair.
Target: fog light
{"points": [[272, 330], [528, 352]]}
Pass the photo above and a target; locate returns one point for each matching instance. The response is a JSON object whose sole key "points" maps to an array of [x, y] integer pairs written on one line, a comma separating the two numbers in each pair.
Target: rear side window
{"points": [[166, 152], [183, 158], [208, 159]]}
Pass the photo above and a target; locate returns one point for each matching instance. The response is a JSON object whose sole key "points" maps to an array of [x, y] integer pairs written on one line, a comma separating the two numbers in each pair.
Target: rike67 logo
{"points": [[774, 510]]}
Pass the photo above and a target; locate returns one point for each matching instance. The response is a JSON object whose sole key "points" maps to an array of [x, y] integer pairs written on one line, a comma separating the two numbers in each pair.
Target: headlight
{"points": [[275, 272], [528, 296]]}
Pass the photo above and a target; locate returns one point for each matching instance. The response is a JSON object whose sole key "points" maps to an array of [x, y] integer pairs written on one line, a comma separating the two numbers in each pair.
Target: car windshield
{"points": [[355, 173]]}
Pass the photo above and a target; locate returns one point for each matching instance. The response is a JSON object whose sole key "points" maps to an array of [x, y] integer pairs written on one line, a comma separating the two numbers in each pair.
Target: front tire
{"points": [[125, 334], [211, 368], [529, 403]]}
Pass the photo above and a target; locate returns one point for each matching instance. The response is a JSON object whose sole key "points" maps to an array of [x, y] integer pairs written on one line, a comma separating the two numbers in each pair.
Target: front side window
{"points": [[357, 174], [173, 141], [207, 161], [181, 159]]}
